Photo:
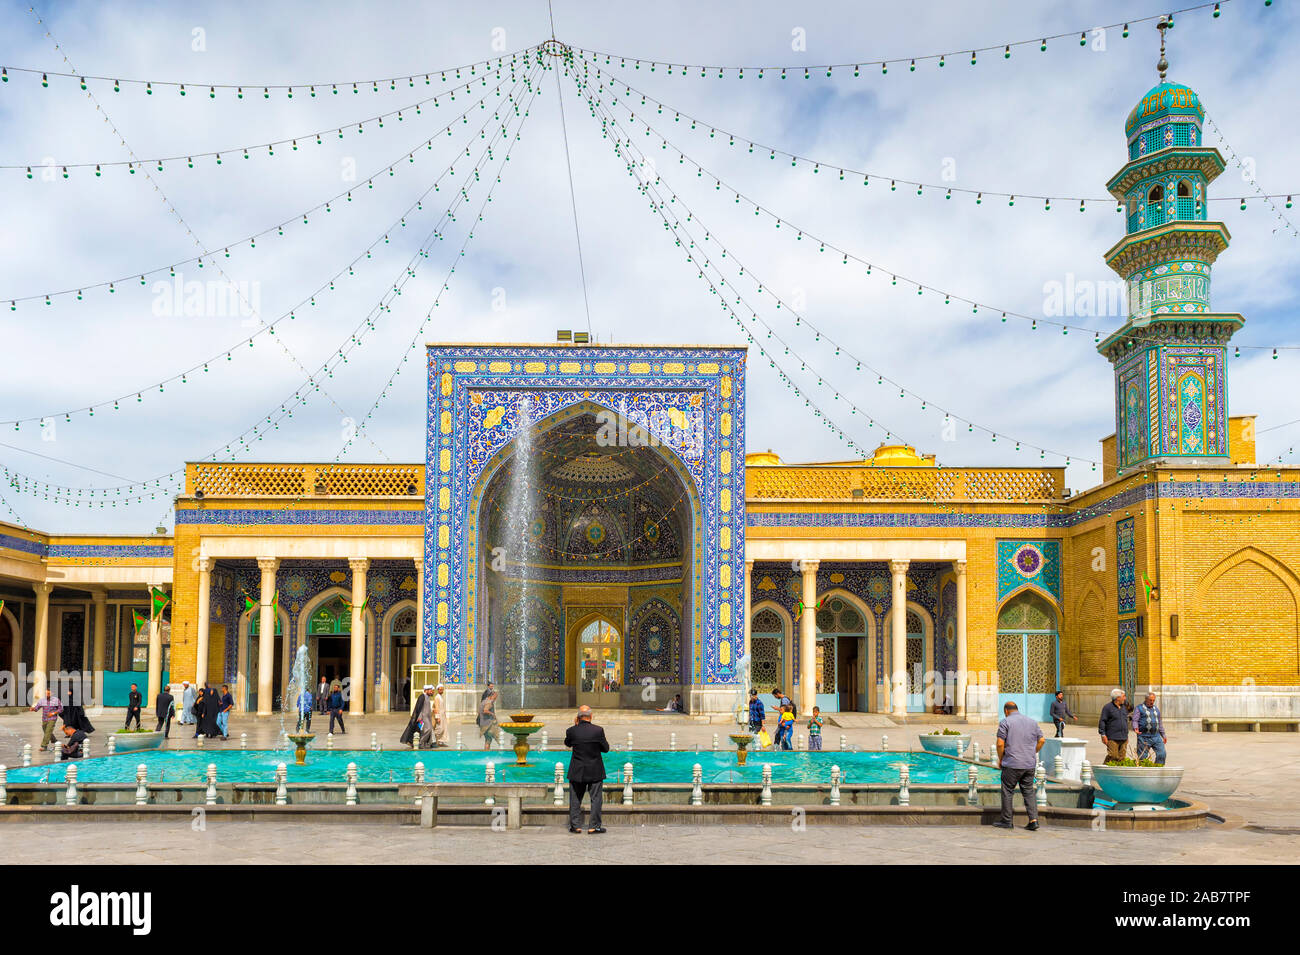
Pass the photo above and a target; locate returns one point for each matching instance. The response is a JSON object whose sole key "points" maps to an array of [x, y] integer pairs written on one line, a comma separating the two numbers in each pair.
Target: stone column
{"points": [[204, 623], [898, 643], [808, 638], [266, 636], [155, 651], [960, 693], [357, 668], [100, 600], [40, 661]]}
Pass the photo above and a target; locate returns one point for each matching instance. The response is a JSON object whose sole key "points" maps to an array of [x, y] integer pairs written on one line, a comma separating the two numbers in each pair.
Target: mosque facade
{"points": [[587, 527]]}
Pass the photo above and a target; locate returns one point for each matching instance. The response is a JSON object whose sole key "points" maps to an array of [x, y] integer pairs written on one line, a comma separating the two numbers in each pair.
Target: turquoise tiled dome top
{"points": [[1164, 100]]}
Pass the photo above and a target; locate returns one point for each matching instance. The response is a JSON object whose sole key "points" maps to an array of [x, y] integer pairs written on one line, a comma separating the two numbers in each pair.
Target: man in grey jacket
{"points": [[1060, 712], [1113, 727]]}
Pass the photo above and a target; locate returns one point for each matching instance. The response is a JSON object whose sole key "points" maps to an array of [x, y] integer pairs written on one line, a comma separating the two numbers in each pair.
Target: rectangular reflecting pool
{"points": [[443, 765]]}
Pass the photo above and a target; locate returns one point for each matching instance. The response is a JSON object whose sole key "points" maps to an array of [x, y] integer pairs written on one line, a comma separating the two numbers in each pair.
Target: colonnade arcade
{"points": [[353, 602], [880, 624]]}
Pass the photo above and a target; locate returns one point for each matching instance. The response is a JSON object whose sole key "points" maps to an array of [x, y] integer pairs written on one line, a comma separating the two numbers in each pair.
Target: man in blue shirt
{"points": [[756, 711], [1019, 740], [1150, 728]]}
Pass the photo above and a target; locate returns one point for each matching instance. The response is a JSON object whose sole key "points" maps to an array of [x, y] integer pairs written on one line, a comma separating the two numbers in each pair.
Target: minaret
{"points": [[1170, 356]]}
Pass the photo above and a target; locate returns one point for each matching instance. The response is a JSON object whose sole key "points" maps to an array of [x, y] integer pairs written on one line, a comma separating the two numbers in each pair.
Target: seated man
{"points": [[71, 748]]}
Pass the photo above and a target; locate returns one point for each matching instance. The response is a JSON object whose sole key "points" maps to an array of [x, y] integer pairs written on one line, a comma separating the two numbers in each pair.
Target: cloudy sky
{"points": [[1035, 124]]}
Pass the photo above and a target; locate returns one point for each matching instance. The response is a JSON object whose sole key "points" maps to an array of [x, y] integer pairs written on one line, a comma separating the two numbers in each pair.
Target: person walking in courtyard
{"points": [[50, 708], [1113, 727], [164, 708], [133, 701], [1019, 740], [224, 706], [421, 722], [1060, 712], [323, 694], [487, 717], [1150, 729], [306, 704], [211, 704], [815, 724], [336, 708], [757, 712], [586, 769], [440, 715], [187, 703], [196, 709], [786, 726]]}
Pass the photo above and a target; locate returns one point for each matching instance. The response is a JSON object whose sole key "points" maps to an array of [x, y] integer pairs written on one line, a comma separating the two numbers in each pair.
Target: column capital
{"points": [[809, 566], [749, 564], [359, 565], [897, 567], [959, 568], [268, 565], [42, 588], [99, 596], [204, 565]]}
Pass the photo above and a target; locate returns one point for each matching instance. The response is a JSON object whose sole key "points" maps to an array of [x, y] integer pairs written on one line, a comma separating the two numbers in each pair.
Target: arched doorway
{"points": [[918, 659], [1028, 649], [402, 634], [769, 640], [841, 654], [251, 654], [579, 519], [329, 639], [600, 663]]}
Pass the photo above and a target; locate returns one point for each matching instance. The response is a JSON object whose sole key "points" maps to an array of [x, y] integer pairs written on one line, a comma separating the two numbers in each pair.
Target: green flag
{"points": [[249, 603], [140, 621], [160, 601]]}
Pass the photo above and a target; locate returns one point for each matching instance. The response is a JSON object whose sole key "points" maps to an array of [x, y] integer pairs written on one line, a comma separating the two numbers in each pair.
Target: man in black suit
{"points": [[133, 702], [586, 769], [164, 709]]}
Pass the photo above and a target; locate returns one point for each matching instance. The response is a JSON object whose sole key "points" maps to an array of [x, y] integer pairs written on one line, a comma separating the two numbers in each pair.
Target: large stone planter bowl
{"points": [[1138, 784], [945, 745], [137, 742]]}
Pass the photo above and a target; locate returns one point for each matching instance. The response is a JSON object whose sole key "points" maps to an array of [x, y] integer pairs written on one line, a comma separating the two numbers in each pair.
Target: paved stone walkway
{"points": [[295, 842], [1254, 779]]}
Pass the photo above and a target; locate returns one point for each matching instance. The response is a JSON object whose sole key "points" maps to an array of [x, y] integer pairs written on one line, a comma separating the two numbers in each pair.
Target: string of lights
{"points": [[896, 279], [677, 229], [841, 173], [256, 432], [1249, 177], [868, 63], [840, 349], [268, 327], [249, 150], [390, 83], [437, 301], [535, 91], [363, 187]]}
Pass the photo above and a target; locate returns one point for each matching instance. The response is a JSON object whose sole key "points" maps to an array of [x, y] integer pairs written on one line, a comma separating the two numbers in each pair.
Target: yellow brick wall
{"points": [[1238, 595]]}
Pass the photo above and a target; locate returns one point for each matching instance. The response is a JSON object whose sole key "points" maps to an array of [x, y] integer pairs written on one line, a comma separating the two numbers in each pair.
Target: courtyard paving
{"points": [[1251, 779]]}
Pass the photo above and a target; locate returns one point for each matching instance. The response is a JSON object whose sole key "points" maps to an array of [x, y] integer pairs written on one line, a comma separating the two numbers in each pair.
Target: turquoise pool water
{"points": [[648, 766]]}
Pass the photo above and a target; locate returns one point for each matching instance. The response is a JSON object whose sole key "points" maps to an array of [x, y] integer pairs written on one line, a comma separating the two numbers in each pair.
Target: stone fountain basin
{"points": [[137, 742], [1138, 784], [945, 745]]}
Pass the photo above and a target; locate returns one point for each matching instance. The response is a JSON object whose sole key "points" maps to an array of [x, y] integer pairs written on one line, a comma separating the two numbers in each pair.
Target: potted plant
{"points": [[134, 741], [945, 742], [1137, 781]]}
